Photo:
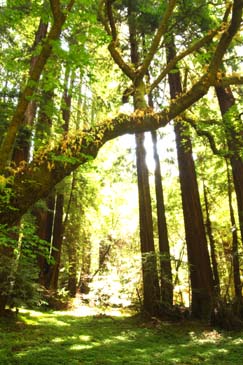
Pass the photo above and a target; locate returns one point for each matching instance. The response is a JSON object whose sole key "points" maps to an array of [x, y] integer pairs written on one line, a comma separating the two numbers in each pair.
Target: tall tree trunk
{"points": [[44, 216], [151, 290], [6, 255], [44, 219], [70, 241], [58, 228], [51, 270], [209, 231], [72, 268], [226, 101], [85, 277], [56, 243], [198, 256], [22, 145], [164, 248], [50, 229], [235, 248]]}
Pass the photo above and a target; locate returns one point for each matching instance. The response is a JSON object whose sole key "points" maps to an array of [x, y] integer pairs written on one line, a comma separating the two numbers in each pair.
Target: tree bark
{"points": [[226, 101], [198, 256], [164, 248], [209, 232], [235, 247], [56, 243], [70, 227], [44, 220], [151, 290]]}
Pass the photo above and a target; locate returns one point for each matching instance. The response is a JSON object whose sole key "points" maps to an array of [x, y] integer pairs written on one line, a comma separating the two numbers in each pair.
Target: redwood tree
{"points": [[198, 256]]}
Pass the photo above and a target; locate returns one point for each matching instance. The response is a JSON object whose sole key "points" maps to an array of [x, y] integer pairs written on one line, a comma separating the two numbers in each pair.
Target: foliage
{"points": [[23, 239], [18, 271], [20, 282]]}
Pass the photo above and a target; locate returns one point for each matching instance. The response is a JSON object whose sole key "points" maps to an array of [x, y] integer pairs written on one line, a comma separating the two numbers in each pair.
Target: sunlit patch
{"points": [[77, 347], [212, 335], [238, 341], [85, 338], [32, 313], [206, 336], [41, 318], [223, 351], [80, 310], [58, 340]]}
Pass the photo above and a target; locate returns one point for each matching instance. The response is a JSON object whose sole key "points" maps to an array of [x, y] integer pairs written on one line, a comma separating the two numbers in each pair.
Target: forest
{"points": [[121, 160]]}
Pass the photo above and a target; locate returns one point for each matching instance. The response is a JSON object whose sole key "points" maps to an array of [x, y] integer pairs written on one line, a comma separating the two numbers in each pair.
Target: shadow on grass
{"points": [[61, 338]]}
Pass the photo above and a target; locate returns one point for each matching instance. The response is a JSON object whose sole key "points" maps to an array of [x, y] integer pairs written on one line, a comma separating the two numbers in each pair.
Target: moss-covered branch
{"points": [[35, 180]]}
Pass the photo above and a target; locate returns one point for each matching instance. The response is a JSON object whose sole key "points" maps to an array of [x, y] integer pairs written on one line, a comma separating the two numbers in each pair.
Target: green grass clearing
{"points": [[70, 338]]}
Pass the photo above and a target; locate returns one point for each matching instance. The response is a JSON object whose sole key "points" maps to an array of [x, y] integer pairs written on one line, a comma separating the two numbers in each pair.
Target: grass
{"points": [[70, 338]]}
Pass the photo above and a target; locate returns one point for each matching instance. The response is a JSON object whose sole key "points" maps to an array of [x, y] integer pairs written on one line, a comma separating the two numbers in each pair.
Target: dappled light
{"points": [[61, 338]]}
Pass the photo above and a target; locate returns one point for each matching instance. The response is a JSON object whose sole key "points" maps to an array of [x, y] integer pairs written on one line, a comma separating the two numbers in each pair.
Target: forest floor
{"points": [[88, 337]]}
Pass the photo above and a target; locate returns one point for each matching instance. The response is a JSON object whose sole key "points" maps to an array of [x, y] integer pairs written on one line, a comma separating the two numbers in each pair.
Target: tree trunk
{"points": [[226, 101], [149, 265], [235, 248], [56, 242], [151, 291], [22, 145], [51, 270], [198, 256], [6, 254], [85, 277], [44, 219], [72, 268], [164, 248], [209, 231]]}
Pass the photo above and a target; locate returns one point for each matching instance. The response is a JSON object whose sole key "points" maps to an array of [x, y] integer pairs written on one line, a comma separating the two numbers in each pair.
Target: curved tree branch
{"points": [[106, 17], [193, 48], [208, 135], [109, 12]]}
